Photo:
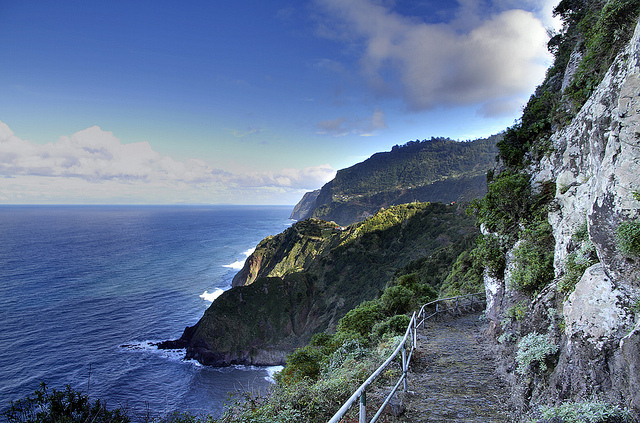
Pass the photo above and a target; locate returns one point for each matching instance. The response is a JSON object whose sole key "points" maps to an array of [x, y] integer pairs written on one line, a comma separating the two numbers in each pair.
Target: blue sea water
{"points": [[86, 290]]}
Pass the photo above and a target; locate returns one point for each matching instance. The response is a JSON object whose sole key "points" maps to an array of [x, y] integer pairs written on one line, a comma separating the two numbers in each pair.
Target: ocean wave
{"points": [[237, 265], [271, 370], [211, 296], [178, 355], [151, 346]]}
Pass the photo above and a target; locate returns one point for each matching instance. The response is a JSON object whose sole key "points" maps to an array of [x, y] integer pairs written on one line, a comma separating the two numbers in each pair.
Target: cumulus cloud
{"points": [[476, 57], [95, 155], [306, 178], [97, 159]]}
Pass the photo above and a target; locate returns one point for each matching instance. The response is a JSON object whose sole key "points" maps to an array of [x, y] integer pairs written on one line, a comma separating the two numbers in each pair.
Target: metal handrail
{"points": [[410, 334]]}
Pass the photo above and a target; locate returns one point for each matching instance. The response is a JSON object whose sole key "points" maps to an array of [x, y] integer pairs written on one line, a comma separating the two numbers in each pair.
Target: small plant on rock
{"points": [[628, 238], [534, 349], [576, 263], [585, 412]]}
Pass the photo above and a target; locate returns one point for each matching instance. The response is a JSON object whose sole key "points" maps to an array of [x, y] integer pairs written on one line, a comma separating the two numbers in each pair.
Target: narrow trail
{"points": [[452, 376]]}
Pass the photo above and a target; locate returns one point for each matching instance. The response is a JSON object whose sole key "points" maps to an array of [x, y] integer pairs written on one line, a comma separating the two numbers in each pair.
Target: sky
{"points": [[247, 101]]}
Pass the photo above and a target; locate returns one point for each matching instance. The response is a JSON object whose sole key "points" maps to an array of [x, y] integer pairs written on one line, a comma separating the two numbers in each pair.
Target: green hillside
{"points": [[435, 170]]}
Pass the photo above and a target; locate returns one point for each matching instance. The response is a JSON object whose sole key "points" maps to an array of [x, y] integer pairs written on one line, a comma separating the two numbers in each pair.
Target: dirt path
{"points": [[452, 376]]}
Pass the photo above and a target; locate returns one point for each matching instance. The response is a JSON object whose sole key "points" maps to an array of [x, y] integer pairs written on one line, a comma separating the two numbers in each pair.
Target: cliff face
{"points": [[305, 279], [595, 164], [305, 205], [436, 170]]}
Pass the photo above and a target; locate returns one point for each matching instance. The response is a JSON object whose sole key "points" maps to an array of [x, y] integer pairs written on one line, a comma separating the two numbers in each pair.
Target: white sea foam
{"points": [[272, 372], [151, 347], [210, 296], [237, 265]]}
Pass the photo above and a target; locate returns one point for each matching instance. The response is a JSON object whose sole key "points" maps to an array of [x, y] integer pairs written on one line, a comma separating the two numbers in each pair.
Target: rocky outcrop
{"points": [[304, 206], [595, 163], [292, 250]]}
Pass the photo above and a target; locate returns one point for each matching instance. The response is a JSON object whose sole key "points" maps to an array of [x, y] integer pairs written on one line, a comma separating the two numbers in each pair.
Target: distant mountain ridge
{"points": [[435, 170]]}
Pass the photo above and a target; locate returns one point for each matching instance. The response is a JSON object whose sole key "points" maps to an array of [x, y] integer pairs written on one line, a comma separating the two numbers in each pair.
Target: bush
{"points": [[68, 406], [606, 32], [397, 300], [507, 202], [490, 252], [534, 258], [361, 319], [393, 326], [534, 349], [577, 262], [587, 412], [466, 276], [628, 238], [303, 363]]}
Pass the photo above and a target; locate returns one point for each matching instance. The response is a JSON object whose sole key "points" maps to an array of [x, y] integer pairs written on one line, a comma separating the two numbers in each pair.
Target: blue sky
{"points": [[247, 101]]}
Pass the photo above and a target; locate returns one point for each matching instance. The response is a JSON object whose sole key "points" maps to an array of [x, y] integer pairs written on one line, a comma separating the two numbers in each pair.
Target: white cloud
{"points": [[475, 58], [93, 165], [306, 178]]}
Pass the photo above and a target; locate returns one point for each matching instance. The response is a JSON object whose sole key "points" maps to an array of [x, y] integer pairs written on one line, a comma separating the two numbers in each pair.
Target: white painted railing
{"points": [[406, 345]]}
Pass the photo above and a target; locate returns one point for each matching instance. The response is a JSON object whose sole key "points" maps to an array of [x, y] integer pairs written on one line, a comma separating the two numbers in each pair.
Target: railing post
{"points": [[404, 368], [363, 407]]}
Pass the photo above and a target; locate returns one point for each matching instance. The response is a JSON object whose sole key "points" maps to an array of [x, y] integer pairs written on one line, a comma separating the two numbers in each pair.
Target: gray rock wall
{"points": [[596, 167]]}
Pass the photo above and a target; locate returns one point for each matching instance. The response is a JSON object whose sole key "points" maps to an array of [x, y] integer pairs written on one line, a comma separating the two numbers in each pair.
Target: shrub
{"points": [[361, 319], [628, 238], [587, 412], [491, 253], [67, 406], [466, 276], [397, 300], [576, 263], [534, 258], [507, 202], [351, 349], [517, 311], [534, 349], [606, 31], [303, 363], [393, 326]]}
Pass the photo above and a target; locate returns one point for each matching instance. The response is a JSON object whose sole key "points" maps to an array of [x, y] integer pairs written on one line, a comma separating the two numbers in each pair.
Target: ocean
{"points": [[86, 290]]}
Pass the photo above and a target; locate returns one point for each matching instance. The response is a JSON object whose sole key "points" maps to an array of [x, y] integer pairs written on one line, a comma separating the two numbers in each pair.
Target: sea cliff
{"points": [[436, 170], [303, 280]]}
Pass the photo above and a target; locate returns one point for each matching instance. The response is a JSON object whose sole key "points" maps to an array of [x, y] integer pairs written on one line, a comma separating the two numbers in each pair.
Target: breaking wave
{"points": [[237, 265], [211, 296]]}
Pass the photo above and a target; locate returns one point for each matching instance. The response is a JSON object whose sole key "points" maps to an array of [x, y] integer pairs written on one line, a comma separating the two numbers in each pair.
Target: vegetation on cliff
{"points": [[531, 285], [302, 281], [435, 170], [593, 33]]}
